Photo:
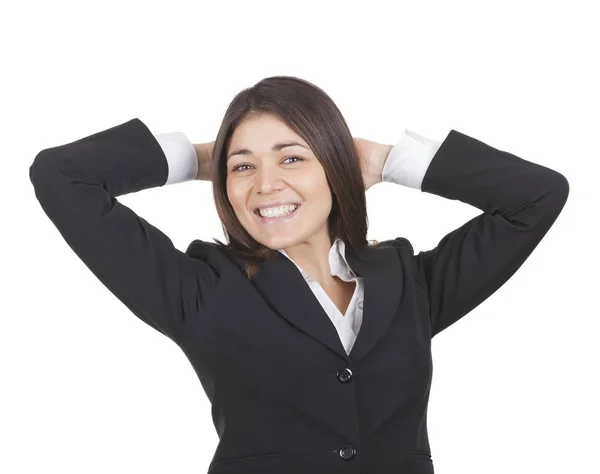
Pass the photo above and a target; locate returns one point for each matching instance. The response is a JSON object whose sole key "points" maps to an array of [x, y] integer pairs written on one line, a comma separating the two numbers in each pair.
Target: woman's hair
{"points": [[310, 113]]}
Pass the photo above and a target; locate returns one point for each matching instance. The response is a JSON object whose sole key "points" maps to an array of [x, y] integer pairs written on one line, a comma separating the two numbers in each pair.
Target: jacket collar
{"points": [[337, 262], [282, 284]]}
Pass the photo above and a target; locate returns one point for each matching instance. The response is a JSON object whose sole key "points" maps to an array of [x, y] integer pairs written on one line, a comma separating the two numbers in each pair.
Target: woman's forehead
{"points": [[264, 137]]}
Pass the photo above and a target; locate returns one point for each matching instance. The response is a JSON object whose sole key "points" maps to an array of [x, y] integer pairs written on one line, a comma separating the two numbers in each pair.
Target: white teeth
{"points": [[278, 211]]}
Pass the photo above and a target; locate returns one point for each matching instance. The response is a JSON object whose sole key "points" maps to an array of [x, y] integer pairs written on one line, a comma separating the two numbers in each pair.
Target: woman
{"points": [[313, 346]]}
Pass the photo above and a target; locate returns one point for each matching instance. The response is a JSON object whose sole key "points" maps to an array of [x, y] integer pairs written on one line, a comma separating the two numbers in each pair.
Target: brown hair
{"points": [[310, 113]]}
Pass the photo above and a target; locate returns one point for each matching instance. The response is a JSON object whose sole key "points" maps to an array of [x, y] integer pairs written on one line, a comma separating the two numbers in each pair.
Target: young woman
{"points": [[312, 344]]}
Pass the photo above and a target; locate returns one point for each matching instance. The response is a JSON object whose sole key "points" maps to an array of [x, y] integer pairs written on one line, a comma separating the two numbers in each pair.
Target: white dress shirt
{"points": [[406, 164]]}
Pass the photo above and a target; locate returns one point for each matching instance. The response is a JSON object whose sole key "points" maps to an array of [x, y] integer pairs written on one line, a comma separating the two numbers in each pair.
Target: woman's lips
{"points": [[271, 220]]}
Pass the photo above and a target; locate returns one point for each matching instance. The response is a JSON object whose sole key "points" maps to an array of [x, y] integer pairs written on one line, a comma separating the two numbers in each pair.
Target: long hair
{"points": [[310, 113]]}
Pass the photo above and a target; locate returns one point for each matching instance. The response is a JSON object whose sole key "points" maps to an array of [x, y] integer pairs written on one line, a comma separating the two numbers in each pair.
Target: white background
{"points": [[87, 387]]}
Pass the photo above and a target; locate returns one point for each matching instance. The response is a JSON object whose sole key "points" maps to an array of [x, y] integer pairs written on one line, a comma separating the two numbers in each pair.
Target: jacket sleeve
{"points": [[520, 201], [77, 185]]}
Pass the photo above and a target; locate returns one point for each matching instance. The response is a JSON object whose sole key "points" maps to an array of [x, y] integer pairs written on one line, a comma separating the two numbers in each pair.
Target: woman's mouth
{"points": [[277, 219]]}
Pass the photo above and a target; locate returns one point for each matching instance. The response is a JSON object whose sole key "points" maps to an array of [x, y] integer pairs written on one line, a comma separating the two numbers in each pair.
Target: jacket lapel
{"points": [[281, 284], [382, 273]]}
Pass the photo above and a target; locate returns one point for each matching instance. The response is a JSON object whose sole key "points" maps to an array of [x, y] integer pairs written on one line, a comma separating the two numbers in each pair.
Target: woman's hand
{"points": [[204, 155], [372, 156]]}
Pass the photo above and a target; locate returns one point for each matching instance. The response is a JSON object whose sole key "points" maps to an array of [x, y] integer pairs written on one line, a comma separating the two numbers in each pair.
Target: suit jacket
{"points": [[405, 164], [286, 398]]}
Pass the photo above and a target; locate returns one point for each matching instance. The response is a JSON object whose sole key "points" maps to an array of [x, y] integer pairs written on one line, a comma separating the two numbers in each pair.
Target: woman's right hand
{"points": [[204, 154]]}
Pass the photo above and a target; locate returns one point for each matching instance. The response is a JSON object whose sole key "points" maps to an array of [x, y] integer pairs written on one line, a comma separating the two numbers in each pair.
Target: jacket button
{"points": [[344, 375], [347, 452], [360, 304]]}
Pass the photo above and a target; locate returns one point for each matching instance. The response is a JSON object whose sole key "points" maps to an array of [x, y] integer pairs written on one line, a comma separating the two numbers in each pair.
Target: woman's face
{"points": [[266, 174]]}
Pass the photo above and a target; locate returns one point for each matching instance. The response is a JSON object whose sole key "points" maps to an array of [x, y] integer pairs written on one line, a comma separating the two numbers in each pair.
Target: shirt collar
{"points": [[337, 262]]}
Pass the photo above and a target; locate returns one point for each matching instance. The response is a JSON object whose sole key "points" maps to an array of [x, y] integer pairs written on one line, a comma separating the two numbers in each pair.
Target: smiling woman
{"points": [[282, 142], [304, 375], [293, 190]]}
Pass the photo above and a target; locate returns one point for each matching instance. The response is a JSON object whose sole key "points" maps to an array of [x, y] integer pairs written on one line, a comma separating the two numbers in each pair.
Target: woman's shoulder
{"points": [[398, 242]]}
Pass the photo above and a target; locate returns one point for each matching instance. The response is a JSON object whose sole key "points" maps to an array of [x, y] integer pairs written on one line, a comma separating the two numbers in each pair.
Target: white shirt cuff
{"points": [[409, 159], [181, 156]]}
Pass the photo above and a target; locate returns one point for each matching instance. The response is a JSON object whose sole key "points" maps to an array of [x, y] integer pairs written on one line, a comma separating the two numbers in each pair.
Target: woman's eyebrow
{"points": [[276, 147]]}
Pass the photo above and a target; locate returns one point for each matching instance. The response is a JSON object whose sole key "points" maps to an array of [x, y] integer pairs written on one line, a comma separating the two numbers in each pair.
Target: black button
{"points": [[347, 452], [344, 375]]}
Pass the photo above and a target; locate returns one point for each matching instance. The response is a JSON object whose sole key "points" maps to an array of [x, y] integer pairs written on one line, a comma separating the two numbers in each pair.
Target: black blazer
{"points": [[285, 396]]}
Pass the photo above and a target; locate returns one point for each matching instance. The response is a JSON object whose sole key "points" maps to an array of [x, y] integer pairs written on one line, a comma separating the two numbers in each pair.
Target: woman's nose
{"points": [[267, 177]]}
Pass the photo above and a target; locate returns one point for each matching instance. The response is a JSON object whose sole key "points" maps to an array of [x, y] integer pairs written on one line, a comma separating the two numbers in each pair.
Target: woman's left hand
{"points": [[372, 156]]}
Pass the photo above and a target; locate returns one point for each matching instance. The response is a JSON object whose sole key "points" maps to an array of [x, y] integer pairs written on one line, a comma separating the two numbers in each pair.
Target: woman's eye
{"points": [[238, 167], [297, 157]]}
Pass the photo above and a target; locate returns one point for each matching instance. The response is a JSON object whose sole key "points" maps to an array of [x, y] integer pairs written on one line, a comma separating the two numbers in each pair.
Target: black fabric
{"points": [[266, 353]]}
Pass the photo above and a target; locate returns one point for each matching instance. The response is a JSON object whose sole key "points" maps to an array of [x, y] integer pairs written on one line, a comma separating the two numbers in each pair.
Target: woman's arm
{"points": [[77, 185], [520, 201]]}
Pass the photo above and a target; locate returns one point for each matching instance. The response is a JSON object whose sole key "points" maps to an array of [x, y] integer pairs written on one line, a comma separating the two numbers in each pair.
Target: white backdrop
{"points": [[87, 387]]}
